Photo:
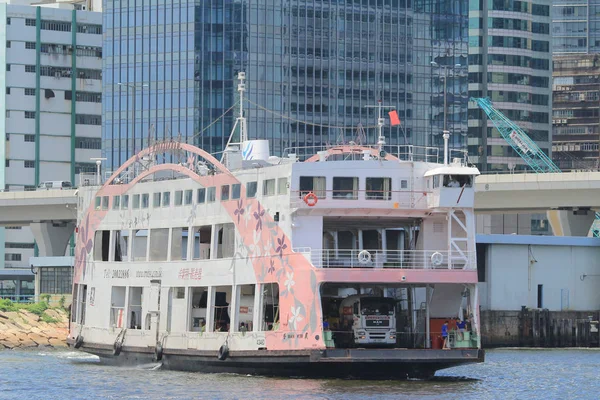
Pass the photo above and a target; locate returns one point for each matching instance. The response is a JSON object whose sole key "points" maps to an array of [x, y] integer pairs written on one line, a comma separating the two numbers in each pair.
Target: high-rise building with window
{"points": [[510, 61], [170, 70], [576, 26], [50, 102]]}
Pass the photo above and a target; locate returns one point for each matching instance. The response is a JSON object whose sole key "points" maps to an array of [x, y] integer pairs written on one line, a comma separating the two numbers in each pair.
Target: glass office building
{"points": [[310, 61], [576, 26]]}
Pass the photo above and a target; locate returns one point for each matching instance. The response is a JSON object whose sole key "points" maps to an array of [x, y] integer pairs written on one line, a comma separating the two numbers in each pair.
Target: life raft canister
{"points": [[311, 199]]}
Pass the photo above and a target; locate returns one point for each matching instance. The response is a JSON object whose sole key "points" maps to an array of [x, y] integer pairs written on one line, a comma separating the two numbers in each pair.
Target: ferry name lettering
{"points": [[166, 146], [190, 273], [116, 273], [149, 274], [295, 335]]}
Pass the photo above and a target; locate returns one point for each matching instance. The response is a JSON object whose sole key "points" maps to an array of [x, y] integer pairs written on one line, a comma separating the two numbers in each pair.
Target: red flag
{"points": [[394, 119]]}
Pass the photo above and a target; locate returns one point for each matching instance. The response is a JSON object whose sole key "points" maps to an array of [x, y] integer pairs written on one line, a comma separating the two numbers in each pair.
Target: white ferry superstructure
{"points": [[345, 263]]}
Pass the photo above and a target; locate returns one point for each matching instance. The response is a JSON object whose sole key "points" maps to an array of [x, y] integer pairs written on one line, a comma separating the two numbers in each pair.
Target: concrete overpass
{"points": [[574, 196], [51, 214]]}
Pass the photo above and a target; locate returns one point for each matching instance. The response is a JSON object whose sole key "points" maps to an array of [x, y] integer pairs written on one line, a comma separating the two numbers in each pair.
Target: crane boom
{"points": [[521, 143]]}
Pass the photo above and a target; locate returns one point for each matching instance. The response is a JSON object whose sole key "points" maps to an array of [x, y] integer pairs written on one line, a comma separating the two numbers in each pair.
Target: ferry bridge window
{"points": [[116, 202], [269, 187], [251, 189], [125, 202], [145, 200], [134, 319], [314, 184], [156, 200], [457, 180], [345, 188], [201, 196], [225, 240], [211, 194], [121, 245], [136, 201], [140, 244], [224, 192], [282, 184], [159, 239], [179, 242], [245, 320], [202, 236], [236, 190], [270, 311], [197, 312], [379, 188], [178, 197], [105, 202], [166, 199], [117, 307], [101, 245], [187, 200], [221, 319], [97, 202]]}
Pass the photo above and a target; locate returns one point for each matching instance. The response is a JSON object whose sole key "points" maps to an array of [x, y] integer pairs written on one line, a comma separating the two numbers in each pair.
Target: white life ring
{"points": [[437, 258], [364, 257]]}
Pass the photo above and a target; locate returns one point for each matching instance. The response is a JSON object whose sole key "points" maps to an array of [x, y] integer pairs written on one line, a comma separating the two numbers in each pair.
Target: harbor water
{"points": [[506, 374]]}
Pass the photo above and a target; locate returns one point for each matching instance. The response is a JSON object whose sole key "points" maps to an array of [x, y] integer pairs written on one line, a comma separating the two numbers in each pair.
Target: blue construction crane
{"points": [[523, 145], [518, 139]]}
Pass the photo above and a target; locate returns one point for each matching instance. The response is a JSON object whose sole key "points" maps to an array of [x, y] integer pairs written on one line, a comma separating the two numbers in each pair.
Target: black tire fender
{"points": [[158, 352], [78, 342], [223, 352]]}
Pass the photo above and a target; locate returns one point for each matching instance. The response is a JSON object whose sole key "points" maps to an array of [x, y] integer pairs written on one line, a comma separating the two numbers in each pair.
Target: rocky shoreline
{"points": [[23, 329]]}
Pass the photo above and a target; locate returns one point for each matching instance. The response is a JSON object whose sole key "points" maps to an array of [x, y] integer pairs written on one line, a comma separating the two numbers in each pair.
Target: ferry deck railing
{"points": [[401, 259]]}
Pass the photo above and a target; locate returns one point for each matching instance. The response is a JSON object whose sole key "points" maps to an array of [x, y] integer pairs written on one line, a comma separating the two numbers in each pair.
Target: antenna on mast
{"points": [[380, 123], [240, 120]]}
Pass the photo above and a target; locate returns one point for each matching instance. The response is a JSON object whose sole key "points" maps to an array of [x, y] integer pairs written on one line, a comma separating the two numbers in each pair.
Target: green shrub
{"points": [[7, 305], [61, 302], [48, 319], [46, 298], [35, 308]]}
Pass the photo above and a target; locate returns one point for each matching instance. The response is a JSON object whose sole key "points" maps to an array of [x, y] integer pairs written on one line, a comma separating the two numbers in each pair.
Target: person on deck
{"points": [[460, 326], [445, 335]]}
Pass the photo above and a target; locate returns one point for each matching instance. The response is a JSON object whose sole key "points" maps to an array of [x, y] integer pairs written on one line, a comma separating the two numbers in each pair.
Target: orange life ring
{"points": [[311, 199]]}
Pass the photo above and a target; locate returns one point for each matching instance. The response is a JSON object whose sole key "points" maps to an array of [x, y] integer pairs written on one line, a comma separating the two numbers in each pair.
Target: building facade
{"points": [[510, 61], [576, 112], [170, 70], [576, 26], [51, 105]]}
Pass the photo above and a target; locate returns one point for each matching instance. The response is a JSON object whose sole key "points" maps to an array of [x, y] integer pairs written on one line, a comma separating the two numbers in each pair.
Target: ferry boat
{"points": [[342, 261]]}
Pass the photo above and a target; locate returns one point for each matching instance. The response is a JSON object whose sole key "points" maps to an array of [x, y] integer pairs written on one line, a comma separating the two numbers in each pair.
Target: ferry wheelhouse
{"points": [[341, 261]]}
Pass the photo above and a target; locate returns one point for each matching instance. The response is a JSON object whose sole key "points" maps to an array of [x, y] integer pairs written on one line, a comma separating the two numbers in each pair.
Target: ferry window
{"points": [[270, 311], [125, 202], [74, 303], [221, 309], [179, 241], [97, 202], [105, 202], [314, 184], [236, 190], [211, 194], [201, 195], [379, 188], [145, 200], [158, 244], [121, 245], [225, 240], [166, 199], [101, 245], [224, 192], [345, 188], [156, 200], [282, 184], [178, 197], [403, 184], [457, 181], [251, 188], [269, 187], [245, 306], [202, 235], [117, 307], [436, 181], [136, 201], [135, 308], [116, 202], [199, 296], [188, 197], [140, 244], [83, 298]]}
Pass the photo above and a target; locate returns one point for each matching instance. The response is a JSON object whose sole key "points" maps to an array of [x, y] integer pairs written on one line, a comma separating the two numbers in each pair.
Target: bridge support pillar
{"points": [[52, 238], [571, 223]]}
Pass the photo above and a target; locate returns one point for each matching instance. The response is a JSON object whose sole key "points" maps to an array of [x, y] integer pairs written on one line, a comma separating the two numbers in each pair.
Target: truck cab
{"points": [[373, 319]]}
